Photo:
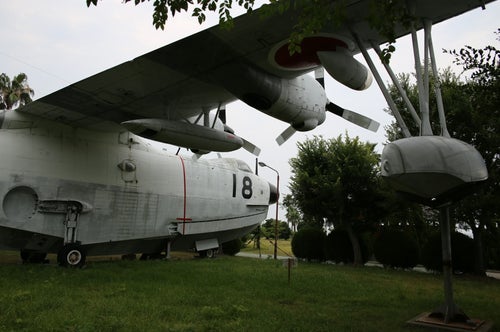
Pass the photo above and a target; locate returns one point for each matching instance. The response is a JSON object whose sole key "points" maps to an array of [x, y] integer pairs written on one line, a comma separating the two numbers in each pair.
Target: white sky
{"points": [[59, 42]]}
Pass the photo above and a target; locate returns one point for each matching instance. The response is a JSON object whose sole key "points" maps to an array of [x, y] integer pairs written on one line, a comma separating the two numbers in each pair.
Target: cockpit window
{"points": [[243, 166]]}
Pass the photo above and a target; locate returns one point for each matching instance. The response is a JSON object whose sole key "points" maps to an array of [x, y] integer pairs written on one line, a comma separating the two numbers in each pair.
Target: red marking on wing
{"points": [[307, 58]]}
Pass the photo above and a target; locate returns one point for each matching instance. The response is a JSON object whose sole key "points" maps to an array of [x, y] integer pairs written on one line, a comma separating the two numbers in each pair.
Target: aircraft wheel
{"points": [[210, 253], [71, 255]]}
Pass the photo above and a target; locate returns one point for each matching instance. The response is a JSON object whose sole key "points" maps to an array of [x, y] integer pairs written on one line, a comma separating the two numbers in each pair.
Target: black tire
{"points": [[210, 253], [71, 255]]}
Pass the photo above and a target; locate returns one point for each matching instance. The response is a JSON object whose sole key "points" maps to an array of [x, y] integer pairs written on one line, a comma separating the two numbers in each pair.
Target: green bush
{"points": [[338, 247], [268, 229], [308, 243], [396, 249], [232, 247], [462, 253]]}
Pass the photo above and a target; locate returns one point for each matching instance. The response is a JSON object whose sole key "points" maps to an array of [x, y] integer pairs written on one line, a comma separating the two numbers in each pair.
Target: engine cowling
{"points": [[301, 103], [333, 52], [344, 68]]}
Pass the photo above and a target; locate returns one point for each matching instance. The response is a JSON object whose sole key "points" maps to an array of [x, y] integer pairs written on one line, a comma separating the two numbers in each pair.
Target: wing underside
{"points": [[186, 77]]}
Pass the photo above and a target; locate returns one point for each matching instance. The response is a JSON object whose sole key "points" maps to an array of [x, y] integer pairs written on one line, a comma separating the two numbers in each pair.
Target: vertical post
{"points": [[276, 221], [167, 250], [449, 310], [258, 241], [277, 207], [289, 268]]}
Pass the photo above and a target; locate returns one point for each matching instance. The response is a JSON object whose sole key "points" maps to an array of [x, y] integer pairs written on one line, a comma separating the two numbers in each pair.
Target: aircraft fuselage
{"points": [[116, 193]]}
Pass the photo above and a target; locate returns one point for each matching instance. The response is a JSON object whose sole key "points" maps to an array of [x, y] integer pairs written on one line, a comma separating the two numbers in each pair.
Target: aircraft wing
{"points": [[183, 78]]}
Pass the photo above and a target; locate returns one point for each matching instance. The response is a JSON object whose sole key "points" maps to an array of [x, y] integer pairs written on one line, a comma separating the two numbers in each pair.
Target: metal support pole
{"points": [[383, 89], [277, 207], [276, 221], [450, 307], [425, 128], [437, 81], [449, 312], [396, 83]]}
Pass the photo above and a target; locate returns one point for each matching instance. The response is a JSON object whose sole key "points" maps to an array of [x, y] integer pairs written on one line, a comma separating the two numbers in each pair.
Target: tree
{"points": [[402, 215], [473, 116], [335, 182], [479, 126], [15, 92], [308, 243], [292, 212], [396, 249], [162, 8], [268, 227]]}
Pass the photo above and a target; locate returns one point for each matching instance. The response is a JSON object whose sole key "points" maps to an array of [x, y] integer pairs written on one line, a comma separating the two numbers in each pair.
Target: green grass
{"points": [[226, 294], [267, 247]]}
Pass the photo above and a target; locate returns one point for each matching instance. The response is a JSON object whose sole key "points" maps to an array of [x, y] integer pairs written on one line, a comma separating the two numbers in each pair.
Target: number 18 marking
{"points": [[246, 190]]}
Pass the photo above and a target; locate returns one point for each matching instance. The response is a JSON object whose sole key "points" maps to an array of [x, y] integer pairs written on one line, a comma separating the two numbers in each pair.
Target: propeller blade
{"points": [[222, 113], [285, 135], [351, 116], [319, 75], [250, 147]]}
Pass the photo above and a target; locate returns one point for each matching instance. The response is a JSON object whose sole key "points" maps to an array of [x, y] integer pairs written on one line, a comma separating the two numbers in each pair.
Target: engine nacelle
{"points": [[301, 103], [333, 52], [342, 66], [192, 136]]}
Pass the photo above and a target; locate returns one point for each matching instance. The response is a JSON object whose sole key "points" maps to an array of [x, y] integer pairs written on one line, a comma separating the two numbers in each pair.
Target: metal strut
{"points": [[383, 88], [71, 223], [422, 77]]}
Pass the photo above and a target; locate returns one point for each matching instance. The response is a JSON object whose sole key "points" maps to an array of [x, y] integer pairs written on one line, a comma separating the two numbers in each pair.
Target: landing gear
{"points": [[71, 255], [210, 253]]}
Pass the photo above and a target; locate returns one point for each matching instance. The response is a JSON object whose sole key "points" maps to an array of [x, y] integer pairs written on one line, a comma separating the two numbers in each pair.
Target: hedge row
{"points": [[392, 248], [313, 244]]}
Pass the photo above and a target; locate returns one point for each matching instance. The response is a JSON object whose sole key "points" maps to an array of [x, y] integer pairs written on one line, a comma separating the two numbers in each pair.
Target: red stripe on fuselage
{"points": [[184, 219]]}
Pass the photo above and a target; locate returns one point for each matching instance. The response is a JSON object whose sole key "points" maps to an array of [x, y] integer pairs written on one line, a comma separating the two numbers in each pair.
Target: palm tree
{"points": [[14, 93]]}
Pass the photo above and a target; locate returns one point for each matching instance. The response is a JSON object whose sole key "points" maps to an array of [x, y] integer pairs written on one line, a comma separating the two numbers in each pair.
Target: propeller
{"points": [[250, 147], [285, 135], [247, 145], [351, 116]]}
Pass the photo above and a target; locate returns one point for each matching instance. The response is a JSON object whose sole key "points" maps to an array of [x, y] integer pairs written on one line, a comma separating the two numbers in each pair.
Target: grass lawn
{"points": [[267, 247], [227, 294]]}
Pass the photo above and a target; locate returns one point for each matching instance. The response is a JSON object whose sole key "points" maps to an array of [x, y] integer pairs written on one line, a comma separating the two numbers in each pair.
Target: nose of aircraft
{"points": [[273, 194]]}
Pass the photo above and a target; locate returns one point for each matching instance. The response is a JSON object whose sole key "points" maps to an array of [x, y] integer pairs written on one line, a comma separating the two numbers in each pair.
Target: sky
{"points": [[59, 42]]}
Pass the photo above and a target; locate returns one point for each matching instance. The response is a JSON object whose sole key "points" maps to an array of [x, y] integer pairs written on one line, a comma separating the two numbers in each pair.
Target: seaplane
{"points": [[80, 175]]}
